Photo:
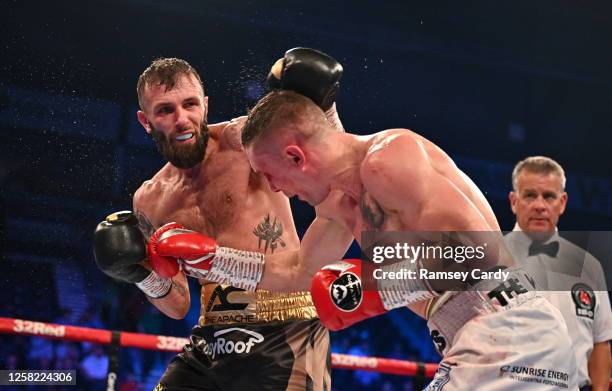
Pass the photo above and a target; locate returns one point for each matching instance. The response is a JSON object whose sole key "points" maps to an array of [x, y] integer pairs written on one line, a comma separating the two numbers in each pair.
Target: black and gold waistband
{"points": [[223, 304]]}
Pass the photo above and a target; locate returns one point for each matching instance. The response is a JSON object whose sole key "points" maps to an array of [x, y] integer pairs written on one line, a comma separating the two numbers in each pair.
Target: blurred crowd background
{"points": [[489, 82]]}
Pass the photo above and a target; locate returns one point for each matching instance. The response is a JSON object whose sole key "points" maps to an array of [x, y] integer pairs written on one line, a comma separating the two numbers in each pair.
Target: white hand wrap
{"points": [[241, 269], [399, 292], [155, 286]]}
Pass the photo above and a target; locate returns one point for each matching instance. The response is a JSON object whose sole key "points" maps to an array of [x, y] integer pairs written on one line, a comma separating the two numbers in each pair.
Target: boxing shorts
{"points": [[253, 341], [501, 336]]}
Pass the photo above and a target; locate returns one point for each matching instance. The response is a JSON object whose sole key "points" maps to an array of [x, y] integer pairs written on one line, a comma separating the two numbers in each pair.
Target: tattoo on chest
{"points": [[269, 233], [371, 212], [144, 224]]}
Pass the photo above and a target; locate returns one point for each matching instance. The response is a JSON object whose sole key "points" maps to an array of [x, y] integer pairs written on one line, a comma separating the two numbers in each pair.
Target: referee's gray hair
{"points": [[538, 165]]}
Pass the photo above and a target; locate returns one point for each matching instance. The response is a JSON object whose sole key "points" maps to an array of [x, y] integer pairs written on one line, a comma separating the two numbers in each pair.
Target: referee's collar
{"points": [[554, 236]]}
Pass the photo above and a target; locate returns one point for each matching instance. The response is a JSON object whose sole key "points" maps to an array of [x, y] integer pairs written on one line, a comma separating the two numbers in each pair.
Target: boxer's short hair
{"points": [[538, 165], [164, 72], [279, 108]]}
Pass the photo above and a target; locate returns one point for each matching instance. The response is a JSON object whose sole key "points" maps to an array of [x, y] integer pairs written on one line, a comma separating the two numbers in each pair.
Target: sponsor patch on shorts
{"points": [[234, 340], [525, 374]]}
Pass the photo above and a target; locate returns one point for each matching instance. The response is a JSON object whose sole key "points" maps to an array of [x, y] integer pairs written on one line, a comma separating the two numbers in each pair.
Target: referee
{"points": [[571, 278]]}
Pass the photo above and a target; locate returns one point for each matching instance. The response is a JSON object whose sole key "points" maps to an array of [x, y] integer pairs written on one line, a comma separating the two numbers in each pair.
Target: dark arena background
{"points": [[490, 82]]}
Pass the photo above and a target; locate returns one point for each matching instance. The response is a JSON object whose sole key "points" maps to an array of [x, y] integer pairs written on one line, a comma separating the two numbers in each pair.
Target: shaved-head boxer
{"points": [[396, 180], [207, 214]]}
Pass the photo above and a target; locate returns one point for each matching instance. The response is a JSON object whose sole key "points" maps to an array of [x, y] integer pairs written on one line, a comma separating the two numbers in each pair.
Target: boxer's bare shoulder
{"points": [[228, 133], [231, 134], [215, 130], [393, 168], [410, 177], [155, 187], [144, 205], [160, 195]]}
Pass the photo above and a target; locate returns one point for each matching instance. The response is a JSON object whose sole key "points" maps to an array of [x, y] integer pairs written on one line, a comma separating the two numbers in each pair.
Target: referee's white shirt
{"points": [[560, 279]]}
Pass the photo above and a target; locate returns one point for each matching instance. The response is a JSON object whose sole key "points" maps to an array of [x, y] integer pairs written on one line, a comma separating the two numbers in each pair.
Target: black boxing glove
{"points": [[308, 72], [119, 248]]}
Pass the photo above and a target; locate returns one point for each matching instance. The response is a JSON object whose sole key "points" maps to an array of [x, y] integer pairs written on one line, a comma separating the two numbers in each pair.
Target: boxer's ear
{"points": [[142, 118], [205, 105], [563, 200], [295, 155]]}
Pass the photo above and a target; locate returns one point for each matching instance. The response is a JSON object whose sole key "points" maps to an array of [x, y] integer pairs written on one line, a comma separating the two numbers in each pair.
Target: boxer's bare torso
{"points": [[222, 198], [405, 183]]}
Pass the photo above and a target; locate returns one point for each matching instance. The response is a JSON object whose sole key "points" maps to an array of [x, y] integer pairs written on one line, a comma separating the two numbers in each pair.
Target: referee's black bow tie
{"points": [[551, 249]]}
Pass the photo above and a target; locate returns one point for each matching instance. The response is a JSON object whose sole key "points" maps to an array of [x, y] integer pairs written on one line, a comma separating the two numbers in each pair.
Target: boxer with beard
{"points": [[244, 337]]}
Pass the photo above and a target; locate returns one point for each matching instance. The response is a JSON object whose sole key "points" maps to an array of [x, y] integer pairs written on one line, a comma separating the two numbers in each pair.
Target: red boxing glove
{"points": [[164, 266], [199, 256], [338, 295], [173, 242]]}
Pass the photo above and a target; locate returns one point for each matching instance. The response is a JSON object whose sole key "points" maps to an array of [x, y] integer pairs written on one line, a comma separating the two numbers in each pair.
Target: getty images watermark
{"points": [[445, 260], [411, 254], [465, 260]]}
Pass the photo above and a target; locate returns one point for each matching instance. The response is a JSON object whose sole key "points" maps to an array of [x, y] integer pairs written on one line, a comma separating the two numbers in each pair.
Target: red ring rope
{"points": [[175, 344]]}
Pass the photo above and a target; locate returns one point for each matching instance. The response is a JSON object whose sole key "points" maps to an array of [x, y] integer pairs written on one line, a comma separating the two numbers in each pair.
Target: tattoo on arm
{"points": [[371, 212], [269, 233], [179, 289], [144, 224]]}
